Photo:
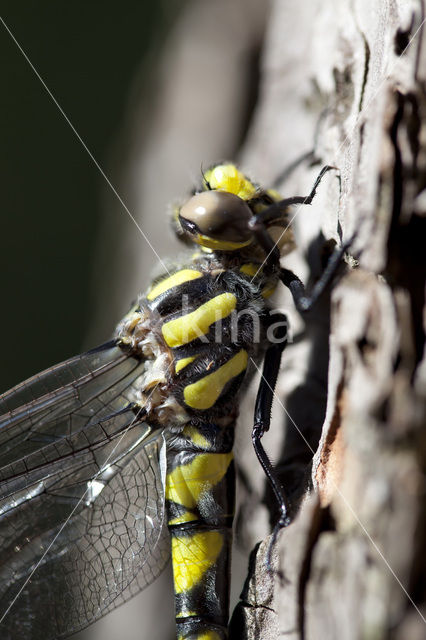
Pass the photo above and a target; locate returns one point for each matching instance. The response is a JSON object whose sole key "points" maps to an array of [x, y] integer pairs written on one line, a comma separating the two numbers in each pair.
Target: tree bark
{"points": [[347, 81]]}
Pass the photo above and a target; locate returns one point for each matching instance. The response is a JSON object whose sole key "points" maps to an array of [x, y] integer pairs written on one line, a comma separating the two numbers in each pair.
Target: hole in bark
{"points": [[366, 348], [328, 523], [402, 38]]}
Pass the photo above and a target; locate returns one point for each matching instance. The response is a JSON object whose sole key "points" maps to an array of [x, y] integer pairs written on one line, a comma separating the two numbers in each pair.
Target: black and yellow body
{"points": [[104, 453], [200, 506], [209, 317], [211, 341]]}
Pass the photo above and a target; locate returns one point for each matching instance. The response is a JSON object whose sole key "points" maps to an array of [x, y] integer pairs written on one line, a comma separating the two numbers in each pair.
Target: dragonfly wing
{"points": [[82, 510], [64, 399]]}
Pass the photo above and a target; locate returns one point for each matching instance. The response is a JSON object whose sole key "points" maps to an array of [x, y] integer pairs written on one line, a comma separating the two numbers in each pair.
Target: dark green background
{"points": [[87, 53]]}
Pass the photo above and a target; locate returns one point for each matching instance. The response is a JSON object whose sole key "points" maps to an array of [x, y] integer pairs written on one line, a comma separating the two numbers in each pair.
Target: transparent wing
{"points": [[81, 496], [64, 399]]}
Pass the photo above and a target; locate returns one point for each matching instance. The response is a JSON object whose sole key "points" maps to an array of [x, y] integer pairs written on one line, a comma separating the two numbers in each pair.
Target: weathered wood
{"points": [[351, 565]]}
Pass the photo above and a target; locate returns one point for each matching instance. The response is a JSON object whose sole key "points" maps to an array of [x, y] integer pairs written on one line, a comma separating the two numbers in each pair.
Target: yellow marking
{"points": [[204, 393], [185, 613], [183, 362], [173, 281], [220, 245], [193, 556], [186, 483], [268, 291], [196, 437], [197, 323], [226, 177], [250, 269], [275, 195], [185, 517], [206, 635]]}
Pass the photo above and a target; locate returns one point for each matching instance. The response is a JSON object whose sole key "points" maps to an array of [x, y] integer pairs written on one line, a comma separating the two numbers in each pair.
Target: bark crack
{"points": [[367, 54], [321, 519]]}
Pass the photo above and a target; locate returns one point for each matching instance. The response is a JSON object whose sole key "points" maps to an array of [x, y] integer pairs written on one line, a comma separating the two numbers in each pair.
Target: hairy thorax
{"points": [[197, 329]]}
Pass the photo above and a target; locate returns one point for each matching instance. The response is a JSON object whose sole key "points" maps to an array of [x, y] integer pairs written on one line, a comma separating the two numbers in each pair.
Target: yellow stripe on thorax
{"points": [[185, 484], [183, 362], [173, 281], [204, 393], [182, 330], [193, 556], [251, 269], [268, 291]]}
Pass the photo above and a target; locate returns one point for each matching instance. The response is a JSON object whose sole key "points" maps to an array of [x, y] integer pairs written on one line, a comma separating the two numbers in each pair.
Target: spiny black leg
{"points": [[259, 220], [303, 301], [276, 209], [262, 413]]}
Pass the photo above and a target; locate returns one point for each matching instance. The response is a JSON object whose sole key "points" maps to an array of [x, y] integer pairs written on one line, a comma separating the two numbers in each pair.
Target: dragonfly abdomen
{"points": [[200, 486]]}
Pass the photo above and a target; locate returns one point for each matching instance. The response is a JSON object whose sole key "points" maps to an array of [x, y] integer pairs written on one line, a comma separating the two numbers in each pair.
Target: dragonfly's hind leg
{"points": [[262, 413]]}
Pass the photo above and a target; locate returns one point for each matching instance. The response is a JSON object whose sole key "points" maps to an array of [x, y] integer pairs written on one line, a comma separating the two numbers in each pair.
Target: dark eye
{"points": [[218, 215], [188, 226]]}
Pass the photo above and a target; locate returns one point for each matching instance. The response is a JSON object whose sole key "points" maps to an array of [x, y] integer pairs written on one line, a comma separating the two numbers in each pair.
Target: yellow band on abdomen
{"points": [[193, 556], [187, 482]]}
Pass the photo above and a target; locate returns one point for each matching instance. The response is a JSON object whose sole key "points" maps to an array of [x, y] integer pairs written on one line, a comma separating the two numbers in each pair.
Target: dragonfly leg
{"points": [[262, 414], [302, 300], [260, 220]]}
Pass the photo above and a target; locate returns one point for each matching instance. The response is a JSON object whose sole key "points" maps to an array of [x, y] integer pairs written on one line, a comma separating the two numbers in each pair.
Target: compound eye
{"points": [[217, 215]]}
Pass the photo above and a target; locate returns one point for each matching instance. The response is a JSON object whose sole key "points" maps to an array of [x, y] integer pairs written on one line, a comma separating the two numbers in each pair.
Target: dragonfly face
{"points": [[217, 219], [115, 458]]}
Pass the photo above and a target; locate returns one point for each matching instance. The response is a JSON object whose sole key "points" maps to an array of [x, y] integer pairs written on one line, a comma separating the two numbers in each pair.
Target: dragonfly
{"points": [[121, 457]]}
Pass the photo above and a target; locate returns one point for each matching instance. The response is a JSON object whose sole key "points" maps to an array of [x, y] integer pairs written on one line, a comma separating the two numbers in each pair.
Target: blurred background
{"points": [[88, 54], [154, 90]]}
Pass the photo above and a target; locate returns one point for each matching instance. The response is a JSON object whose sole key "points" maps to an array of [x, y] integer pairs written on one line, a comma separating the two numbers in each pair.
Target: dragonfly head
{"points": [[217, 216], [217, 220]]}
